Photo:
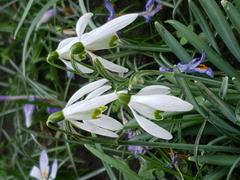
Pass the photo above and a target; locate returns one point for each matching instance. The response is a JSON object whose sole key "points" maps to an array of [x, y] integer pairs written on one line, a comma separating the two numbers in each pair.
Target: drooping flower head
{"points": [[149, 103], [42, 172], [87, 114], [103, 37]]}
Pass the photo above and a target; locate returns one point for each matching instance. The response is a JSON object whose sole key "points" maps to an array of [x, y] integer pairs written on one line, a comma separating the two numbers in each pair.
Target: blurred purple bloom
{"points": [[111, 10], [165, 69], [28, 110], [151, 9], [196, 65], [136, 149], [5, 98], [51, 110], [47, 16]]}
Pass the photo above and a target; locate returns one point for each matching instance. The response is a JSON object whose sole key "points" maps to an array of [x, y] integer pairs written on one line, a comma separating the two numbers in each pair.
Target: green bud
{"points": [[77, 48], [158, 115], [55, 117], [124, 98], [113, 41], [52, 56]]}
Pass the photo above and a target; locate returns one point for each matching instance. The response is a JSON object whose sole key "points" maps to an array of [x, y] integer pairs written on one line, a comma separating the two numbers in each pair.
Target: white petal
{"points": [[35, 172], [54, 169], [82, 23], [43, 161], [80, 67], [94, 129], [86, 89], [143, 110], [107, 122], [98, 92], [163, 102], [84, 115], [108, 65], [87, 105], [154, 89], [64, 51], [109, 28], [151, 127], [65, 42], [107, 42]]}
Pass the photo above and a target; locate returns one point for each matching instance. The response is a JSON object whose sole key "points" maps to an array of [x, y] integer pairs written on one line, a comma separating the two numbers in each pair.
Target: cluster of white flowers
{"points": [[85, 109]]}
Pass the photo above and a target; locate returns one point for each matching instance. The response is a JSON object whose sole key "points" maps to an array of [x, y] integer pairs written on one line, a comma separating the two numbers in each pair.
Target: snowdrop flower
{"points": [[42, 172], [87, 114], [28, 110], [151, 9], [103, 37], [110, 8], [149, 103]]}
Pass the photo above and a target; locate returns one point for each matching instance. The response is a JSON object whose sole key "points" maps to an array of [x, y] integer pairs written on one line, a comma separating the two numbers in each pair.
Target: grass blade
{"points": [[232, 13], [221, 25], [203, 24], [118, 164], [29, 5], [173, 44]]}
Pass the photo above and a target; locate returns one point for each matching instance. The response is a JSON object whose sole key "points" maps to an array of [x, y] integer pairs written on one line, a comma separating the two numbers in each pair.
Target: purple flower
{"points": [[111, 10], [42, 172], [136, 149], [28, 110], [165, 69], [195, 65], [51, 110], [151, 9], [47, 16]]}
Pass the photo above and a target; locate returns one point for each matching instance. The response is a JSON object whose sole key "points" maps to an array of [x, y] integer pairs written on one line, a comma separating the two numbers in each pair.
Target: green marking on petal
{"points": [[98, 112], [158, 115], [52, 56], [113, 41], [79, 50], [124, 98]]}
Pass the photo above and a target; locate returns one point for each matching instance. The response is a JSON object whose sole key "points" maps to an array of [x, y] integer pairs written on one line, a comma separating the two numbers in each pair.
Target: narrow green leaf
{"points": [[232, 13], [221, 25], [217, 102], [173, 44], [25, 13], [224, 88], [118, 164], [217, 174], [30, 31], [203, 24], [219, 160], [198, 43]]}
